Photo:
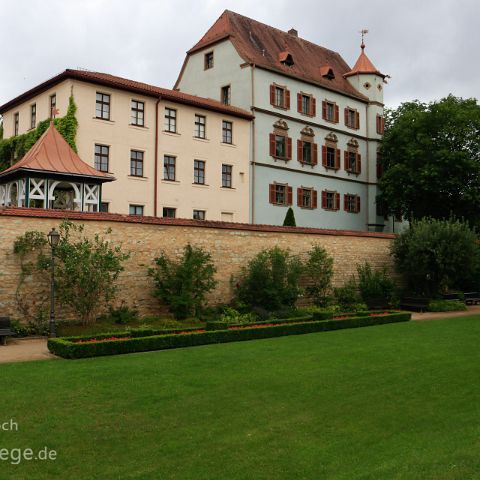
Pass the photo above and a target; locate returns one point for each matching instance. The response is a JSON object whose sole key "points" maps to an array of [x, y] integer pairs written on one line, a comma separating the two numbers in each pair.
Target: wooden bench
{"points": [[5, 330], [472, 298], [449, 297], [414, 303]]}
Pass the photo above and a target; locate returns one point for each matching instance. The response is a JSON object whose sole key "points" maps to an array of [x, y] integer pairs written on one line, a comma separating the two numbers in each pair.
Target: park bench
{"points": [[472, 298], [5, 330], [449, 297], [414, 303]]}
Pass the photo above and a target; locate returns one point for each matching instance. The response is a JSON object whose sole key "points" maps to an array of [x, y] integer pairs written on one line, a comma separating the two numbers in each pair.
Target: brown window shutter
{"points": [[300, 151], [314, 154], [324, 109], [289, 148], [324, 199], [357, 204], [299, 102], [345, 202], [357, 120], [337, 159], [313, 107], [272, 144], [345, 160], [324, 155], [272, 94], [314, 199], [287, 99], [337, 114], [289, 195], [337, 201], [359, 163], [299, 196], [271, 193], [345, 113]]}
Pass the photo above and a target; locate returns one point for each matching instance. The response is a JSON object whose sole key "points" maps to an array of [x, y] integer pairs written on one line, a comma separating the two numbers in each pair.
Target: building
{"points": [[172, 154], [317, 123]]}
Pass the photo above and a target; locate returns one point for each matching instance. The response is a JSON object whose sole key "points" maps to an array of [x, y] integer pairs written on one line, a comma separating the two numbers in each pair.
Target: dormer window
{"points": [[286, 58], [326, 71]]}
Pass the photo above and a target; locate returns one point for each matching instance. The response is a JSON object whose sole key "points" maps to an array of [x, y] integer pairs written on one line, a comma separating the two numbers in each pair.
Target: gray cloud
{"points": [[429, 47]]}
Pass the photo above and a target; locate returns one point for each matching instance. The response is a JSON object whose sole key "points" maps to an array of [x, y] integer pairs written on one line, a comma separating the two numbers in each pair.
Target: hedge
{"points": [[70, 348]]}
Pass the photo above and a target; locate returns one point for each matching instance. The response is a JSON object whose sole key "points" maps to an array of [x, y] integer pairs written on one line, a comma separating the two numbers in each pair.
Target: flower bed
{"points": [[148, 340]]}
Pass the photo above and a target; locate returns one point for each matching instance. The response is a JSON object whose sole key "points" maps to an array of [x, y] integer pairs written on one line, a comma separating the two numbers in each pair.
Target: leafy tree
{"points": [[184, 283], [431, 159], [438, 255], [270, 280], [375, 284], [289, 218], [318, 269]]}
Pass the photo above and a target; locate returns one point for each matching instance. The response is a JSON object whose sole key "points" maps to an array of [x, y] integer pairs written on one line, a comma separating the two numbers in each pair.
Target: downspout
{"points": [[155, 181], [252, 183]]}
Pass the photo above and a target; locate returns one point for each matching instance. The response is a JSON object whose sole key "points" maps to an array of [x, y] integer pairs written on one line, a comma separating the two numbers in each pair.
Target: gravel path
{"points": [[25, 350]]}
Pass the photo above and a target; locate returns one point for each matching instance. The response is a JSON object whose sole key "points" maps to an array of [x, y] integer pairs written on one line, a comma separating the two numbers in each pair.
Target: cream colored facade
{"points": [[121, 137]]}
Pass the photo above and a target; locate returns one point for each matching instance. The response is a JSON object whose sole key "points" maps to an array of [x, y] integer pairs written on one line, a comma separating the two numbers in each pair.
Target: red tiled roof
{"points": [[261, 45], [363, 65], [180, 222], [131, 86], [52, 154]]}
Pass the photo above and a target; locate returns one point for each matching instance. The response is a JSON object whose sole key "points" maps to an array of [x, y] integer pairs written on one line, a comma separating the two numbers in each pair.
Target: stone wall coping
{"points": [[180, 222]]}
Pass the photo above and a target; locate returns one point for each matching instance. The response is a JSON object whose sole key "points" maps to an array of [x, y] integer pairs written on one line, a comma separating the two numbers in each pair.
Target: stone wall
{"points": [[231, 245]]}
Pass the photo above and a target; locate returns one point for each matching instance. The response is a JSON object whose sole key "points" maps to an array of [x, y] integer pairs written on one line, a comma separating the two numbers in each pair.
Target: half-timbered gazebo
{"points": [[52, 175]]}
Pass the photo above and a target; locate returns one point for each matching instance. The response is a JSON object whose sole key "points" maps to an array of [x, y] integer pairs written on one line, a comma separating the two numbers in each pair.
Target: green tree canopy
{"points": [[431, 159]]}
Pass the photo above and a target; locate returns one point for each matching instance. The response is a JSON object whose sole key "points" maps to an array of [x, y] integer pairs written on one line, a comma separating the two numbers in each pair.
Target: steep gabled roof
{"points": [[51, 154], [363, 65], [263, 45], [121, 83]]}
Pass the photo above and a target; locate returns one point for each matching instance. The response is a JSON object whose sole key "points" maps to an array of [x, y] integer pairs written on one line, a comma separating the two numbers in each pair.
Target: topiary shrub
{"points": [[318, 270], [289, 218]]}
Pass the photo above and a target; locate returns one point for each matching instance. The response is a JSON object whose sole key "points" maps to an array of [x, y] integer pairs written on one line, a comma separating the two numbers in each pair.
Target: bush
{"points": [[347, 296], [270, 281], [446, 306], [289, 218], [319, 270], [184, 283], [435, 256], [375, 285], [123, 314]]}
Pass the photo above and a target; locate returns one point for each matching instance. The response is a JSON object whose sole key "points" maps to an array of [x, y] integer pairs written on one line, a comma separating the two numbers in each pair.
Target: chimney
{"points": [[293, 32]]}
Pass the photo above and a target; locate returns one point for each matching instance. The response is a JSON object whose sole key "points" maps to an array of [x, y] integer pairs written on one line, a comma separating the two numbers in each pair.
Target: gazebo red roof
{"points": [[52, 154]]}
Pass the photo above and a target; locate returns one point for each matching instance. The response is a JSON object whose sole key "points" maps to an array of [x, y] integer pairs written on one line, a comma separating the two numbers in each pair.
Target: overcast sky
{"points": [[429, 47]]}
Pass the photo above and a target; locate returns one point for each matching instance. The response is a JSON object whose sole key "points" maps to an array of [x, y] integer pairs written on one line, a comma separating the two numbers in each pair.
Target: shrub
{"points": [[123, 314], [270, 280], [289, 218], [446, 306], [375, 285], [184, 283], [231, 316], [319, 272], [347, 296], [437, 255]]}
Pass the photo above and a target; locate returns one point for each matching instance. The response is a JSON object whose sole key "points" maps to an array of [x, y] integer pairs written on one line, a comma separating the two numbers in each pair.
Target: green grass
{"points": [[399, 401]]}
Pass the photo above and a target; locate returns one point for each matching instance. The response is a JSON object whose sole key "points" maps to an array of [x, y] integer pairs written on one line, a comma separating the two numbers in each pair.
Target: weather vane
{"points": [[363, 33]]}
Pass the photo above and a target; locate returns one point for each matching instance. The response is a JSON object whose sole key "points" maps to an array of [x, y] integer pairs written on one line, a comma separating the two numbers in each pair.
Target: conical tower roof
{"points": [[364, 65]]}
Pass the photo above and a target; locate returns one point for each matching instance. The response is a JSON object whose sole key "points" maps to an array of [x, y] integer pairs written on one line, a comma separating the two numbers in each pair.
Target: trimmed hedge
{"points": [[70, 348]]}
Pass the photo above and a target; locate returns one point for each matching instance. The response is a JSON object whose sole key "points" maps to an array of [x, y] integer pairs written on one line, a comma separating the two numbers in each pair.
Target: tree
{"points": [[431, 159], [184, 283], [318, 269], [289, 218]]}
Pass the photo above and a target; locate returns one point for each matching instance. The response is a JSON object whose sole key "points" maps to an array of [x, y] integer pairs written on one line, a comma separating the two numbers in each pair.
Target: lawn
{"points": [[399, 401]]}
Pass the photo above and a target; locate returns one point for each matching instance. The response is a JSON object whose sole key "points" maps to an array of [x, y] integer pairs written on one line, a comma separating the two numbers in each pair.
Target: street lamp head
{"points": [[53, 238]]}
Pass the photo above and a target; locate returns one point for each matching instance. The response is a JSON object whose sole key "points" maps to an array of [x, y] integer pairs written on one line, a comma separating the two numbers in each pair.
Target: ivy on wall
{"points": [[14, 148]]}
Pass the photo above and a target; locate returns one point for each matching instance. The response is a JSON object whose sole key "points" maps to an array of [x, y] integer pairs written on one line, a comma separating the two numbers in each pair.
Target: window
{"points": [[170, 120], [103, 106], [53, 105], [352, 162], [279, 96], [352, 118], [330, 200], [351, 203], [169, 212], [199, 214], [199, 172], [208, 60], [136, 209], [104, 206], [379, 165], [33, 115], [225, 95], [227, 129], [227, 176], [200, 122], [136, 163], [307, 198], [306, 104], [280, 146], [169, 168], [380, 124], [280, 194], [330, 157], [137, 116], [330, 111], [307, 152], [16, 121], [101, 157]]}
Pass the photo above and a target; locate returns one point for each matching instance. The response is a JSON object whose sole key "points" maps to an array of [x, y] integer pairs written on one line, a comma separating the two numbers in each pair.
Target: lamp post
{"points": [[53, 239]]}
